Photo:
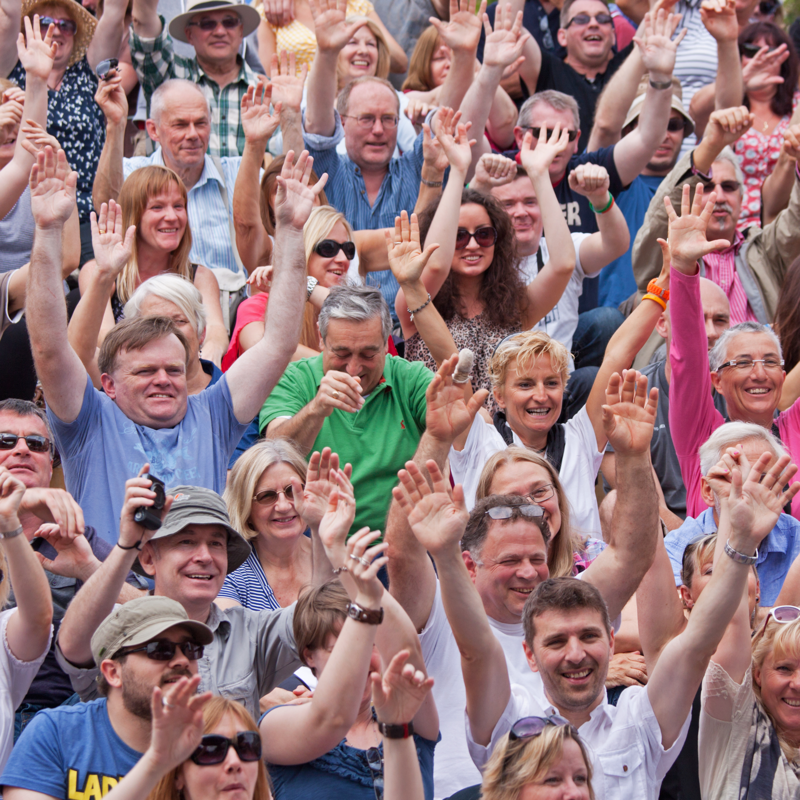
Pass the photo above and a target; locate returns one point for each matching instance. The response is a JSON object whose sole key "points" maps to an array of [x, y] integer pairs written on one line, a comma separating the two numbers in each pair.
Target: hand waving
{"points": [[493, 170], [331, 28], [656, 45], [35, 53], [398, 694], [37, 138], [537, 161], [592, 181], [791, 142], [433, 153], [314, 501], [629, 414], [52, 189], [719, 18], [295, 198], [287, 84], [111, 251], [727, 125], [503, 47], [407, 260], [363, 564], [11, 114], [463, 30], [452, 136], [762, 70], [258, 122]]}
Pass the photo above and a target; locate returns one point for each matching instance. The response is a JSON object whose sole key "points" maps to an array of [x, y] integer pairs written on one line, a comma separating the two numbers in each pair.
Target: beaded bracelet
{"points": [[417, 310], [606, 208]]}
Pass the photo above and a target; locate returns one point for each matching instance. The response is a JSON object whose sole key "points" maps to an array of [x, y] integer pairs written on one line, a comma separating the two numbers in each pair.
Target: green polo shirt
{"points": [[377, 441]]}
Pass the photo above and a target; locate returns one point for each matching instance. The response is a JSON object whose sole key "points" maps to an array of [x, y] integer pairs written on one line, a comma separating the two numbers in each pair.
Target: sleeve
{"points": [[154, 59], [779, 243], [692, 415], [789, 429], [71, 437], [513, 711], [317, 142], [277, 655], [36, 762], [18, 675], [227, 429], [251, 310], [234, 590], [287, 398], [675, 543], [6, 320], [577, 240], [363, 7], [83, 679]]}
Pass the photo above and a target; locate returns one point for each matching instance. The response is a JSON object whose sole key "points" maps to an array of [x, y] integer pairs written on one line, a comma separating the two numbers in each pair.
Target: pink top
{"points": [[250, 310]]}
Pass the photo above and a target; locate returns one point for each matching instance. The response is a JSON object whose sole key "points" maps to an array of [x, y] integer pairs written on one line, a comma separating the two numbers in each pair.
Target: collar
{"points": [[736, 245], [209, 173], [599, 715], [245, 73], [218, 619]]}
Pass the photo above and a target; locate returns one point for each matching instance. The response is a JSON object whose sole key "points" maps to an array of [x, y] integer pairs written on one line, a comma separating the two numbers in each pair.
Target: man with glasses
{"points": [[83, 750]]}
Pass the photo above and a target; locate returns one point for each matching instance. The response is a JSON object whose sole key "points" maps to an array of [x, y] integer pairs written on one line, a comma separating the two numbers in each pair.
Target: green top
{"points": [[377, 441]]}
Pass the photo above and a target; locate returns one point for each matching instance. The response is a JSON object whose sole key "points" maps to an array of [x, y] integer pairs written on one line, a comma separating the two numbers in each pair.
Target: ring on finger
{"points": [[335, 394], [365, 561], [166, 703], [355, 557]]}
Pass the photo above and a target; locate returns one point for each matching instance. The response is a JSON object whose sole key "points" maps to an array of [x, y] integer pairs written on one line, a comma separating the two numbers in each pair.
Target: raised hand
{"points": [[407, 260], [791, 142], [287, 84], [137, 495], [727, 125], [719, 476], [36, 53], [52, 189], [363, 564], [449, 414], [11, 492], [37, 138], [629, 413], [438, 517], [762, 70], [433, 154], [537, 161], [112, 251], [656, 46], [417, 110], [592, 181], [503, 45], [687, 233], [398, 694], [74, 556], [493, 170], [452, 136], [338, 519], [463, 30], [294, 199], [11, 115], [110, 96], [719, 18], [258, 122], [279, 13], [331, 28], [322, 480]]}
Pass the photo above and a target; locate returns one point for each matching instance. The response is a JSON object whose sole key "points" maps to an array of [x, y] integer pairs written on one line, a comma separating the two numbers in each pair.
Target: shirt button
{"points": [[624, 767]]}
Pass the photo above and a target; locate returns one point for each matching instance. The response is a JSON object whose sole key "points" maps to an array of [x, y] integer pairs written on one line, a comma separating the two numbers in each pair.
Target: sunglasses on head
{"points": [[328, 248], [164, 650], [484, 237], [213, 748], [36, 443], [782, 614], [64, 25], [585, 19], [531, 727], [269, 496], [207, 24], [506, 512], [548, 132]]}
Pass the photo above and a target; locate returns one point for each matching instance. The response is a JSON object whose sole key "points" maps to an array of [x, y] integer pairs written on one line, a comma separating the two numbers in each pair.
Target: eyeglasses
{"points": [[164, 650], [531, 727], [213, 748], [269, 497], [750, 49], [542, 493], [675, 125], [388, 121], [548, 132], [375, 764], [207, 24], [746, 364], [506, 512], [36, 443], [782, 614], [484, 237], [727, 186], [64, 25], [328, 248], [585, 19]]}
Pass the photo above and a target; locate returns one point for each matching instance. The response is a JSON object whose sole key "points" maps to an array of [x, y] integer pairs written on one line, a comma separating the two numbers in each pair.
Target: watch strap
{"points": [[11, 534], [398, 731], [654, 288], [740, 558], [367, 616]]}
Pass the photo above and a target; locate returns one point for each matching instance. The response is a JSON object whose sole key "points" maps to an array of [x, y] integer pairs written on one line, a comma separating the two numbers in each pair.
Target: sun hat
{"points": [[78, 14], [677, 104], [248, 15]]}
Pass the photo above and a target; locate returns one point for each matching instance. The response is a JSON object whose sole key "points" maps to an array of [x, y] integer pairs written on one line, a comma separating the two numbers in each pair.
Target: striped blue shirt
{"points": [[248, 586], [209, 220]]}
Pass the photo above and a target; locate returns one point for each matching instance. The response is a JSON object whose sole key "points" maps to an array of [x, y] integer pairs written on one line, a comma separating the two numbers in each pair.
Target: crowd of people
{"points": [[399, 400]]}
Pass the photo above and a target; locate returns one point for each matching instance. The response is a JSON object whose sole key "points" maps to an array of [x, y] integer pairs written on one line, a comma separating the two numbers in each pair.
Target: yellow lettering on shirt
{"points": [[72, 786], [95, 787], [92, 789], [108, 784]]}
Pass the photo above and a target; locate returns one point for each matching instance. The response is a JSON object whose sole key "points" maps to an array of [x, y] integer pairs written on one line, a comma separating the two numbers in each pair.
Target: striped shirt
{"points": [[209, 220], [248, 586], [155, 62], [721, 268]]}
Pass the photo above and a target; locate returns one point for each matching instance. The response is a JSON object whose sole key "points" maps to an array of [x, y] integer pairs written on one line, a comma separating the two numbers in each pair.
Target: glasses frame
{"points": [[734, 363], [527, 510], [536, 130], [149, 649], [774, 616], [607, 19], [474, 235], [37, 438], [68, 26], [237, 744], [287, 492], [343, 246], [374, 758], [225, 22], [552, 492], [388, 121]]}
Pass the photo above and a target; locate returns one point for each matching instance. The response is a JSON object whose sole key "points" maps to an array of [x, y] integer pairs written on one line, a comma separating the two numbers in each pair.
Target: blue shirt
{"points": [[209, 219], [71, 753], [617, 283], [248, 586], [775, 556]]}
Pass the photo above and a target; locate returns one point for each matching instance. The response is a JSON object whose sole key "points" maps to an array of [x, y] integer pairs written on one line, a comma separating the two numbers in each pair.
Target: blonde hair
{"points": [[213, 712], [419, 78], [518, 762], [141, 185], [246, 474], [563, 542], [384, 59], [524, 349]]}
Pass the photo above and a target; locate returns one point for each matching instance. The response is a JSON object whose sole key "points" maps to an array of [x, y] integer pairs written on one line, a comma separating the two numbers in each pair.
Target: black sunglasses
{"points": [[585, 19], [728, 186], [750, 49], [164, 650], [328, 248], [213, 748], [537, 132], [36, 443], [206, 25], [64, 25], [675, 125], [484, 237]]}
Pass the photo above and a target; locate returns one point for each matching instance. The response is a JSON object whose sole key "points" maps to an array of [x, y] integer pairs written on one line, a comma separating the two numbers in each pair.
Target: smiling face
{"points": [[370, 148], [220, 45], [183, 129], [473, 260], [281, 520], [359, 57], [567, 779], [233, 779], [440, 63], [62, 40], [155, 306], [357, 348], [590, 44], [522, 478], [728, 207], [331, 271], [779, 679], [571, 651], [164, 220], [34, 469], [544, 115], [519, 200], [667, 153]]}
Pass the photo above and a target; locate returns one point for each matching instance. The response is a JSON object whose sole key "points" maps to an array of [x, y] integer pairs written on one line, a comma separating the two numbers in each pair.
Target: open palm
{"points": [[406, 258], [53, 188], [331, 28], [463, 30], [36, 53], [294, 199], [687, 233], [629, 413], [112, 251]]}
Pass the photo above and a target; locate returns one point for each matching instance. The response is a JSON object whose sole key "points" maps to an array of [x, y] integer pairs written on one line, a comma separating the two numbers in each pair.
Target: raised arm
{"points": [[719, 18], [10, 21], [255, 373], [108, 33], [108, 179], [434, 166], [287, 89], [146, 22], [777, 188]]}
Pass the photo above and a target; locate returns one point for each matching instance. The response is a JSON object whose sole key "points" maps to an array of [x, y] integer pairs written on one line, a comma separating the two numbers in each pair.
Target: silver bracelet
{"points": [[339, 570], [11, 534], [311, 284], [740, 558], [432, 184]]}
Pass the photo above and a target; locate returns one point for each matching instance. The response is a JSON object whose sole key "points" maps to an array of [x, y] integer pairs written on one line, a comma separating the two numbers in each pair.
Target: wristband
{"points": [[605, 208], [368, 616], [311, 284], [656, 299], [432, 184], [11, 534], [400, 730], [661, 85], [654, 288], [740, 558], [417, 310]]}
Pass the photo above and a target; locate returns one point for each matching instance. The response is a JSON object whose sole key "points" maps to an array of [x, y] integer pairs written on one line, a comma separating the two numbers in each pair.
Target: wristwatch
{"points": [[740, 558], [399, 731], [654, 288], [311, 284], [368, 616], [11, 534]]}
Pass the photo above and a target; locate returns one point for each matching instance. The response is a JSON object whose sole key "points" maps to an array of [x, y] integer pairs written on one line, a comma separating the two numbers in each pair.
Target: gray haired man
{"points": [[367, 406]]}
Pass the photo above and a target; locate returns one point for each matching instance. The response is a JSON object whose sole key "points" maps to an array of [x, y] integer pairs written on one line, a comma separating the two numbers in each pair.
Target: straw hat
{"points": [[249, 16], [78, 14]]}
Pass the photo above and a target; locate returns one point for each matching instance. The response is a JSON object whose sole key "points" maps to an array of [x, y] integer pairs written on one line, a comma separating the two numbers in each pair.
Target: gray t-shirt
{"points": [[16, 234], [102, 448]]}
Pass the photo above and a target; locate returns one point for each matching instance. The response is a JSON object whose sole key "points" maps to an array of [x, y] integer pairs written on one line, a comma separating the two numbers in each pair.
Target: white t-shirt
{"points": [[453, 768], [628, 759], [578, 471], [15, 679]]}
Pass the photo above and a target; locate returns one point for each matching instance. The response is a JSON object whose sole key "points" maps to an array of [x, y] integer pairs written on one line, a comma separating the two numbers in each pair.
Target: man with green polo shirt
{"points": [[367, 406]]}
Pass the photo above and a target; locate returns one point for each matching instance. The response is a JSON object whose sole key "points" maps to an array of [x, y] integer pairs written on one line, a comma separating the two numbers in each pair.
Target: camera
{"points": [[149, 516], [107, 69]]}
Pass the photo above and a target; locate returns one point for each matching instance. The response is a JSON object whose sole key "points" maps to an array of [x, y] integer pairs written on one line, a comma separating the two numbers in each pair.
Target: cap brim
{"points": [[200, 633], [675, 105], [250, 19]]}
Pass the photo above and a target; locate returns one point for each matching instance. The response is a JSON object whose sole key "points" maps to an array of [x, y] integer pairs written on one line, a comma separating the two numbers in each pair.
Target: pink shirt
{"points": [[721, 269]]}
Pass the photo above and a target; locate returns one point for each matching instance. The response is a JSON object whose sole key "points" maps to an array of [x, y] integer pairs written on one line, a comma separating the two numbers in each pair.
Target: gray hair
{"points": [[719, 352], [557, 100], [733, 433], [356, 303], [158, 100], [25, 408], [174, 289], [728, 155]]}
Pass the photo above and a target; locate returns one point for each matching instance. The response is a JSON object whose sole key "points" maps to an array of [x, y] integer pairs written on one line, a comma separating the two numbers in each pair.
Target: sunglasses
{"points": [[207, 25], [375, 764], [164, 650], [36, 443], [548, 132], [728, 186], [269, 497], [327, 248], [585, 19], [529, 728], [675, 125], [64, 25], [213, 748], [484, 237], [782, 614], [750, 49], [506, 512]]}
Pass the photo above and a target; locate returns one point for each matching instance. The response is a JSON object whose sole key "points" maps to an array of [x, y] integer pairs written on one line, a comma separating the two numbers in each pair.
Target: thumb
{"points": [[45, 562]]}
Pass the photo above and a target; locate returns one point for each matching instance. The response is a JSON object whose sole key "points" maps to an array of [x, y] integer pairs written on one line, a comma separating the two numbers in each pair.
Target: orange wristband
{"points": [[656, 299]]}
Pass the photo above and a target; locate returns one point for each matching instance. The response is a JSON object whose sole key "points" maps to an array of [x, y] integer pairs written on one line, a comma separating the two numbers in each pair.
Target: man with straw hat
{"points": [[215, 28]]}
